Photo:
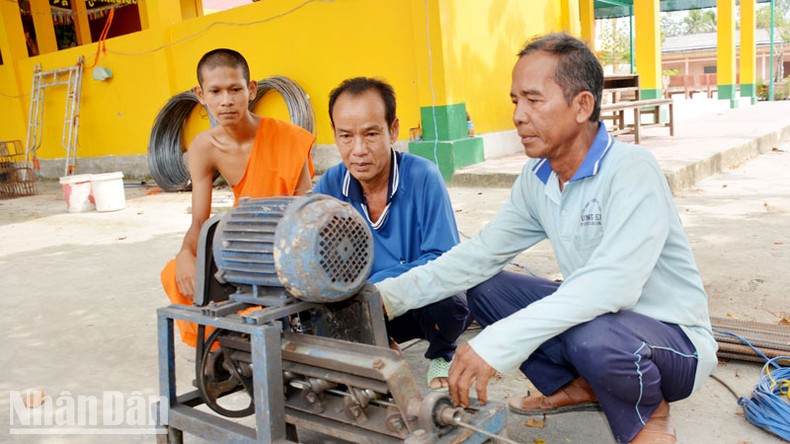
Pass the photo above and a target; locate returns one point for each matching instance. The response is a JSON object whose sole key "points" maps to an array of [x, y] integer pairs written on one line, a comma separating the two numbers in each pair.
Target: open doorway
{"points": [[27, 25]]}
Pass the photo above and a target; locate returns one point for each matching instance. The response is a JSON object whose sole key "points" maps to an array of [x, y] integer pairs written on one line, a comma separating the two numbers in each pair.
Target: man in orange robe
{"points": [[258, 156]]}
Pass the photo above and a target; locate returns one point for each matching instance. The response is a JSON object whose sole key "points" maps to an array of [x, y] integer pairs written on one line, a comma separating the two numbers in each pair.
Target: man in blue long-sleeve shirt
{"points": [[405, 202]]}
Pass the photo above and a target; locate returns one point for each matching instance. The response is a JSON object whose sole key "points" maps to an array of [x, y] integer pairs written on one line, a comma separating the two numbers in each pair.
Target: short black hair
{"points": [[223, 57], [577, 68], [358, 85]]}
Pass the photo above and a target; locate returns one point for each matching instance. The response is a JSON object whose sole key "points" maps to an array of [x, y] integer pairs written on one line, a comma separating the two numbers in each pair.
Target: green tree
{"points": [[671, 25], [615, 46], [781, 31], [700, 20]]}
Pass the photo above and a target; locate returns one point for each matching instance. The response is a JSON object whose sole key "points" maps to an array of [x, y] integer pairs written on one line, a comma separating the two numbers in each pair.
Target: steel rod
{"points": [[493, 436]]}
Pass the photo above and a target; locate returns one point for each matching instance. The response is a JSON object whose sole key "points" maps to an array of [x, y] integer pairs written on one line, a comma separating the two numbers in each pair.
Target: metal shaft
{"points": [[493, 436]]}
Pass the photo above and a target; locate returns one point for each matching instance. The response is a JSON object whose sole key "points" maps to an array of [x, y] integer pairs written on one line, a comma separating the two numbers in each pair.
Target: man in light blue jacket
{"points": [[628, 330]]}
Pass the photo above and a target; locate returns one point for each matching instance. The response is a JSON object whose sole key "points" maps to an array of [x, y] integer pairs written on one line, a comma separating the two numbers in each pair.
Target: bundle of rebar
{"points": [[298, 102], [165, 151], [771, 339]]}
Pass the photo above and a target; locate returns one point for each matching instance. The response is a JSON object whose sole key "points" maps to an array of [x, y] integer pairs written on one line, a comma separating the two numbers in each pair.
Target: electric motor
{"points": [[316, 247]]}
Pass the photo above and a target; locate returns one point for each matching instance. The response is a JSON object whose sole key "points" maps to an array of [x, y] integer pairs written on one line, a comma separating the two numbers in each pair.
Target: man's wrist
{"points": [[385, 304]]}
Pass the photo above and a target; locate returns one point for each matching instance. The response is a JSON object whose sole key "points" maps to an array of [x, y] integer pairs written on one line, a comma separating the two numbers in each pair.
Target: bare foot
{"points": [[439, 383], [394, 346]]}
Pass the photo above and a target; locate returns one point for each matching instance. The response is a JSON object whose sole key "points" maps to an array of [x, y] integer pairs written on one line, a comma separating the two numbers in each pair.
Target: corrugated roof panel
{"points": [[707, 40]]}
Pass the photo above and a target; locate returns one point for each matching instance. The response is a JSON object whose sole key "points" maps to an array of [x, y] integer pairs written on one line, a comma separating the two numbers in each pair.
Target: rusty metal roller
{"points": [[316, 247]]}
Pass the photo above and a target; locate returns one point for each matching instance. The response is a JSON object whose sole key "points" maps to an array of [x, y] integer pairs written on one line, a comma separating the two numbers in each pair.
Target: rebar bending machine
{"points": [[290, 332]]}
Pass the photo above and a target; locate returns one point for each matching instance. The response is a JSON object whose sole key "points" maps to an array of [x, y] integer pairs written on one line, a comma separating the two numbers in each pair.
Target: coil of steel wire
{"points": [[165, 153], [298, 102]]}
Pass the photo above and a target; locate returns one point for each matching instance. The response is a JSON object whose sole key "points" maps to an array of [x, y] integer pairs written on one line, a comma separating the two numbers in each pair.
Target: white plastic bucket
{"points": [[77, 192], [108, 191]]}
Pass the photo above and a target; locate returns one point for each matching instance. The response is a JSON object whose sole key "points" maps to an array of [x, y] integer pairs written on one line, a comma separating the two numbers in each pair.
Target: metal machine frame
{"points": [[341, 380]]}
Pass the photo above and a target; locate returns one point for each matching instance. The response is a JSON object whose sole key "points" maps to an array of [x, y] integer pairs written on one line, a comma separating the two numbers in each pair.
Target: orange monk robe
{"points": [[278, 155]]}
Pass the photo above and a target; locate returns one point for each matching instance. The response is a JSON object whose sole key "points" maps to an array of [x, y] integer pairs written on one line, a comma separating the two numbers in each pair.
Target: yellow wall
{"points": [[480, 42], [115, 115], [12, 125], [316, 44]]}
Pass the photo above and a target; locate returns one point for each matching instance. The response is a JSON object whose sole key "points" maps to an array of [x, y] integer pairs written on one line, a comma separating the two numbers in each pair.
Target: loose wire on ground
{"points": [[727, 386], [769, 406]]}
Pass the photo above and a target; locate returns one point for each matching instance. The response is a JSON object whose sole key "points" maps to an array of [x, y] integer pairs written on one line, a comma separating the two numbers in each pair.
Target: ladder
{"points": [[72, 78]]}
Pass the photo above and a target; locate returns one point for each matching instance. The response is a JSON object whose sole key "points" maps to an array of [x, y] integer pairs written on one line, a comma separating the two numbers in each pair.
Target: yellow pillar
{"points": [[191, 9], [81, 23], [570, 17], [157, 16], [725, 59], [748, 53], [13, 100], [587, 19], [158, 13], [648, 48], [45, 29], [12, 34]]}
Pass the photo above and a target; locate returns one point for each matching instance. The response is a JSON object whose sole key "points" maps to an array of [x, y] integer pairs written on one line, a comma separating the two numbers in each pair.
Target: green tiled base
{"points": [[452, 154], [726, 92], [748, 90], [647, 94], [450, 122]]}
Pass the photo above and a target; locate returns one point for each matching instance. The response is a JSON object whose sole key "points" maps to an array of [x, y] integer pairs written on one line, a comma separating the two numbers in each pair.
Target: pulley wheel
{"points": [[218, 376]]}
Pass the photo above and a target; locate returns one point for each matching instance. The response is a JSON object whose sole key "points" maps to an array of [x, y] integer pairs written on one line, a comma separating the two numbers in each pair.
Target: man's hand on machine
{"points": [[185, 273], [468, 368]]}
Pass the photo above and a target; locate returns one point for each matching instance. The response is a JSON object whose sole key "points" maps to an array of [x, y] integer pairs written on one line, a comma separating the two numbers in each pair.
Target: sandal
{"points": [[438, 368], [574, 396]]}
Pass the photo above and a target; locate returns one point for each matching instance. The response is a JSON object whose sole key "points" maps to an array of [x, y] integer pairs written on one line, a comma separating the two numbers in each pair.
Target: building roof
{"points": [[707, 40], [624, 8]]}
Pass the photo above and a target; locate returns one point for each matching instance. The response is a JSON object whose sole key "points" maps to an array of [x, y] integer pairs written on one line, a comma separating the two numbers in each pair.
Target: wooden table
{"points": [[617, 87], [639, 107]]}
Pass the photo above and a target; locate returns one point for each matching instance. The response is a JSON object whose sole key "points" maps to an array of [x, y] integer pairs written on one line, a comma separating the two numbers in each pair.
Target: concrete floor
{"points": [[80, 291]]}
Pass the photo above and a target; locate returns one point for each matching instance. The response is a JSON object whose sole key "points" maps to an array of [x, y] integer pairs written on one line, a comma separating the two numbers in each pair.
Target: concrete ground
{"points": [[80, 290]]}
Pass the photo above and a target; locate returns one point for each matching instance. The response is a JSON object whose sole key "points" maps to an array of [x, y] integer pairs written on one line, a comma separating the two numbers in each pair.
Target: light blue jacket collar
{"points": [[592, 162]]}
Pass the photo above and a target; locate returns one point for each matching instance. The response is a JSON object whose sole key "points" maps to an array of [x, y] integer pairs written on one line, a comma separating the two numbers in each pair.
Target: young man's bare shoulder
{"points": [[204, 146], [208, 139]]}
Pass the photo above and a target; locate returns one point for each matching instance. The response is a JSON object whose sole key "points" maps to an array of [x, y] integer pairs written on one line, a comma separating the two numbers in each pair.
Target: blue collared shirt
{"points": [[417, 224]]}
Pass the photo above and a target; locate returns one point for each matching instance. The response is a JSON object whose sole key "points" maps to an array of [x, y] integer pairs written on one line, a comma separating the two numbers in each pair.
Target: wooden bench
{"points": [[640, 107], [676, 85], [683, 84], [709, 84]]}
